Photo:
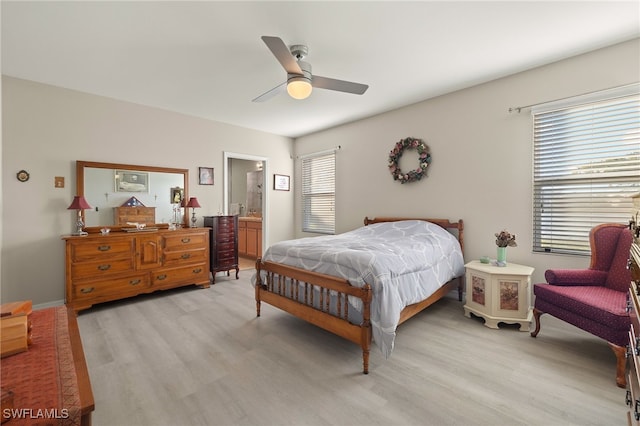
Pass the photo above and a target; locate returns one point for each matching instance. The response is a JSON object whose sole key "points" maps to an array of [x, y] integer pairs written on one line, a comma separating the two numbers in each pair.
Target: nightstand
{"points": [[499, 293]]}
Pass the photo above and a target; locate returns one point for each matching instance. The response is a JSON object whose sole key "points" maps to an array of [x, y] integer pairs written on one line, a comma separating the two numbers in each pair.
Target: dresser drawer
{"points": [[225, 237], [633, 379], [225, 262], [633, 361], [109, 248], [169, 277], [229, 252], [99, 270], [130, 285], [226, 246], [181, 242], [175, 258], [633, 313], [226, 222]]}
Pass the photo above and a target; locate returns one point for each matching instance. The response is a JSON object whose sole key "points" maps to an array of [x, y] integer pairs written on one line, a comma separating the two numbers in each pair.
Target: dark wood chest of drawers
{"points": [[223, 239]]}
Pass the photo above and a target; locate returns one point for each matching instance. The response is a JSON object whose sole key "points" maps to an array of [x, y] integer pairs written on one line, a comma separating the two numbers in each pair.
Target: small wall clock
{"points": [[22, 176]]}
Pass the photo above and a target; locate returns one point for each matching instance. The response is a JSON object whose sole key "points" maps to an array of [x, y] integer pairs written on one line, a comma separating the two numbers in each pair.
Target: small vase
{"points": [[502, 256]]}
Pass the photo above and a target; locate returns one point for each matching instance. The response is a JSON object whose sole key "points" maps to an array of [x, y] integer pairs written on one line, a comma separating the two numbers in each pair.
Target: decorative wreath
{"points": [[424, 159]]}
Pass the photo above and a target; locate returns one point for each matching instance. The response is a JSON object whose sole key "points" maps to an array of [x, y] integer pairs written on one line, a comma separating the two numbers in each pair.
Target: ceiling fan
{"points": [[300, 81]]}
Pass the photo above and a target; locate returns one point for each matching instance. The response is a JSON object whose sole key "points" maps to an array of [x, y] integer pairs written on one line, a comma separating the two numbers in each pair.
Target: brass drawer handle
{"points": [[162, 277], [134, 282], [86, 290], [197, 270], [186, 240], [186, 255], [104, 248], [104, 267]]}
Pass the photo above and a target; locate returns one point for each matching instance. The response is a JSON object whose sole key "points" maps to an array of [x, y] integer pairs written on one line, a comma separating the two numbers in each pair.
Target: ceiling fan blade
{"points": [[282, 54], [270, 93], [339, 85]]}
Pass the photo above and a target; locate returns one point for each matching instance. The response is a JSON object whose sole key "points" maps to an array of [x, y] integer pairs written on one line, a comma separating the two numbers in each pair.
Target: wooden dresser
{"points": [[224, 244], [633, 350], [101, 268], [122, 215]]}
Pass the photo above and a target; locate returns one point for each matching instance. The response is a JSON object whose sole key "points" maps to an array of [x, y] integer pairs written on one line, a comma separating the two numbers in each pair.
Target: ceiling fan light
{"points": [[299, 87]]}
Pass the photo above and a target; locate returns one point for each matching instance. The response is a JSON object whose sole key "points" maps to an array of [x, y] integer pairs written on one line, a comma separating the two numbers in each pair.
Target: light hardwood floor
{"points": [[246, 263], [201, 357]]}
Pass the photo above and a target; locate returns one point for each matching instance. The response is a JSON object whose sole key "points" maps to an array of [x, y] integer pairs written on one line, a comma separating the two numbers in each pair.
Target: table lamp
{"points": [[79, 203], [193, 203]]}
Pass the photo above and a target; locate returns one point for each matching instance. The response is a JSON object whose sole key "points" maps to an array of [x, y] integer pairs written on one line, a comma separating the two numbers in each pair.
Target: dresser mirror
{"points": [[106, 186]]}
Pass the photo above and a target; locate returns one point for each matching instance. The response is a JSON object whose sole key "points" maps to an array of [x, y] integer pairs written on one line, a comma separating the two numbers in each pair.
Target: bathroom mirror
{"points": [[109, 185]]}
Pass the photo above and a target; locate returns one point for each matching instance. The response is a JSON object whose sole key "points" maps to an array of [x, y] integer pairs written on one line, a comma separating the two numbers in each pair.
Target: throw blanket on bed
{"points": [[404, 262]]}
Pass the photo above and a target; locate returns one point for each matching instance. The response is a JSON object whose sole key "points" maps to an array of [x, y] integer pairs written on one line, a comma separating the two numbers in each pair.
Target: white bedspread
{"points": [[404, 262]]}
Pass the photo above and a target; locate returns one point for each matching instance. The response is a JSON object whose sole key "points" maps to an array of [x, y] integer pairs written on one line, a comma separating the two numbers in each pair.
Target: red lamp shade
{"points": [[79, 203], [193, 202]]}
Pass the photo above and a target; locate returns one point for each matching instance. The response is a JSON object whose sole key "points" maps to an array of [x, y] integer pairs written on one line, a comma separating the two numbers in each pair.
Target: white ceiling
{"points": [[206, 58]]}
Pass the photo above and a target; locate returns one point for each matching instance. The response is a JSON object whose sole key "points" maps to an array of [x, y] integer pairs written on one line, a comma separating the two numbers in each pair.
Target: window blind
{"points": [[586, 167], [318, 193]]}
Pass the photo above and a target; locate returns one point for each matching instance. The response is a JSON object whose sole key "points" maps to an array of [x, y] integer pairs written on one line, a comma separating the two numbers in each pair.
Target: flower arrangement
{"points": [[424, 159], [505, 239]]}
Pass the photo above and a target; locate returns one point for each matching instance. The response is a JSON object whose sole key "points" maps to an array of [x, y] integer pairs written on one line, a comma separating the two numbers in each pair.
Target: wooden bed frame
{"points": [[317, 290]]}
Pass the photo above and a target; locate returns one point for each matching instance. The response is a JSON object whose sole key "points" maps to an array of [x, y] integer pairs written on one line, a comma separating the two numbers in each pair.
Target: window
{"points": [[586, 167], [318, 192]]}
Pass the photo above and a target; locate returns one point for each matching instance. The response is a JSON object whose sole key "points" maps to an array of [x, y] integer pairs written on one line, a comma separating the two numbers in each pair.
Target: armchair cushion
{"points": [[601, 305], [575, 277]]}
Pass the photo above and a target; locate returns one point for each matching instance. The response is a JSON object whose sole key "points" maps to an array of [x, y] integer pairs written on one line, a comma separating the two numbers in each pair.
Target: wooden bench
{"points": [[49, 382]]}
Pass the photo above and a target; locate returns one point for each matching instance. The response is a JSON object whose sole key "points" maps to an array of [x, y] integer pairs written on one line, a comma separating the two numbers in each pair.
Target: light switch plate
{"points": [[59, 182]]}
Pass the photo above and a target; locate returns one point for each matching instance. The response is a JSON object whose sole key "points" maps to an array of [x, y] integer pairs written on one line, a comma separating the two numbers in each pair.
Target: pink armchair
{"points": [[593, 299]]}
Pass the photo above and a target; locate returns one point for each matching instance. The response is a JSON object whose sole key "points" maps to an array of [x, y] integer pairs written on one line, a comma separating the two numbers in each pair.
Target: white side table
{"points": [[499, 294]]}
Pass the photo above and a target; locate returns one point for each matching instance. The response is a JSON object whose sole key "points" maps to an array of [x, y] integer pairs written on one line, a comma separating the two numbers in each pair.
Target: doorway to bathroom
{"points": [[245, 180]]}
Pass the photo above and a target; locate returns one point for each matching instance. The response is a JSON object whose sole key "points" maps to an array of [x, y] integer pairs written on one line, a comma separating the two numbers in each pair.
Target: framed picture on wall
{"points": [[281, 182], [206, 175]]}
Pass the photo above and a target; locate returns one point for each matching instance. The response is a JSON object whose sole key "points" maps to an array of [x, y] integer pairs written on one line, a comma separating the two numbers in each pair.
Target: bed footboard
{"points": [[316, 298]]}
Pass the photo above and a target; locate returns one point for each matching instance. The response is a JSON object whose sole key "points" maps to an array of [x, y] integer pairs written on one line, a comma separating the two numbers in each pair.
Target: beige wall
{"points": [[481, 169], [46, 129], [482, 154]]}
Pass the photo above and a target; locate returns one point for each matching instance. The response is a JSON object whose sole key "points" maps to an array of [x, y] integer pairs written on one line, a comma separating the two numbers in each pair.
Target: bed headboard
{"points": [[456, 228]]}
